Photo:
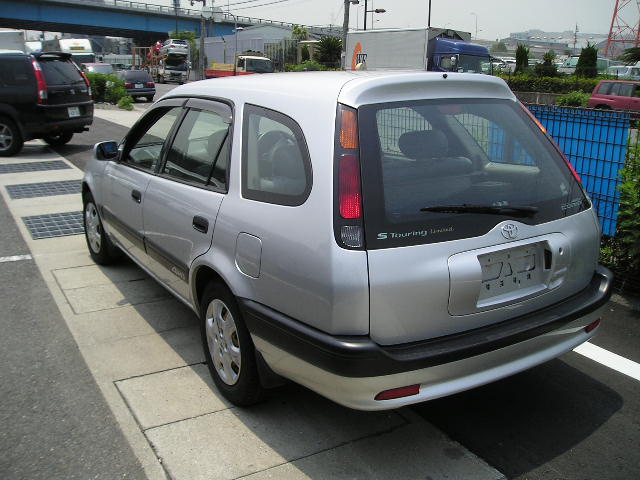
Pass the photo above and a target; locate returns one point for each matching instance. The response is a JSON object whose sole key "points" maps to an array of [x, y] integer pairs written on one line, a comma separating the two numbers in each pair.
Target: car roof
{"points": [[315, 90]]}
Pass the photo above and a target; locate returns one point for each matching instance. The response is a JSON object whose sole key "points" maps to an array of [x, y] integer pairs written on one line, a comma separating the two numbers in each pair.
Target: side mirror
{"points": [[105, 150]]}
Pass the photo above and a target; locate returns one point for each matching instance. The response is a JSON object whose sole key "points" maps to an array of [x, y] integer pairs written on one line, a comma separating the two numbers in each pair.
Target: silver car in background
{"points": [[381, 238]]}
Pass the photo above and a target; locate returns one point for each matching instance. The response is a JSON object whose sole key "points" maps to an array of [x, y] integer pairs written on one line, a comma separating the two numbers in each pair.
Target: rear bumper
{"points": [[141, 92], [51, 119], [352, 370]]}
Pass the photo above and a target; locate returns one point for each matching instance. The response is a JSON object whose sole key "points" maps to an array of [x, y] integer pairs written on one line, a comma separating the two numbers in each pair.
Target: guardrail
{"points": [[193, 13]]}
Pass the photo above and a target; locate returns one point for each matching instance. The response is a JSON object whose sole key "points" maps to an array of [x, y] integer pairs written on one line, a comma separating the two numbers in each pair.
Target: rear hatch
{"points": [[471, 217], [65, 84]]}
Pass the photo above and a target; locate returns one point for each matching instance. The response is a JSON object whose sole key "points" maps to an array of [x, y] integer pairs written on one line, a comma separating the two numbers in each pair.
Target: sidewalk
{"points": [[143, 350]]}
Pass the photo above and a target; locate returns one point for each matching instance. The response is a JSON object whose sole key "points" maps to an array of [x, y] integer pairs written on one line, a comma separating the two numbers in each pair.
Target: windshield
{"points": [[450, 169], [473, 64], [181, 67], [105, 69], [60, 72], [259, 65]]}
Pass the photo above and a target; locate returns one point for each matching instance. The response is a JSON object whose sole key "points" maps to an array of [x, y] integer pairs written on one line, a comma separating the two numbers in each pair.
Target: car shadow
{"points": [[521, 423]]}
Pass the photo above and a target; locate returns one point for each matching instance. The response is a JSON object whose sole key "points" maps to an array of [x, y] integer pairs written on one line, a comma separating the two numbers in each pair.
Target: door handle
{"points": [[136, 195], [200, 224]]}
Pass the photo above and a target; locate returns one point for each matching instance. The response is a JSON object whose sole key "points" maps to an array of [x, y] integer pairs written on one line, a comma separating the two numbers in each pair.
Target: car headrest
{"points": [[286, 162], [423, 144]]}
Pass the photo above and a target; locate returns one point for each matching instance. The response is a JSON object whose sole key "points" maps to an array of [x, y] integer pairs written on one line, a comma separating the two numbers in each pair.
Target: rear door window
{"points": [[60, 72], [275, 160], [422, 156]]}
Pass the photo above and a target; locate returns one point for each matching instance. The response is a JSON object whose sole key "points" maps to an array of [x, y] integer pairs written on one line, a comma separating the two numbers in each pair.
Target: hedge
{"points": [[106, 88], [528, 83]]}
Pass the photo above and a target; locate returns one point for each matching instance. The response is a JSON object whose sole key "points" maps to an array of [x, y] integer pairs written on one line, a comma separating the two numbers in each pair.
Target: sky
{"points": [[496, 18]]}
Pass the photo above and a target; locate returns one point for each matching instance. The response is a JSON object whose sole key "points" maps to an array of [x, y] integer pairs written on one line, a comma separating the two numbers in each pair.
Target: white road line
{"points": [[609, 359], [15, 258]]}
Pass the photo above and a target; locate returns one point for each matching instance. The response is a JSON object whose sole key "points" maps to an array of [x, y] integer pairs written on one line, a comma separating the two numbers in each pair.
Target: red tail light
{"points": [[398, 392], [350, 194], [592, 326], [42, 83], [128, 85], [151, 84]]}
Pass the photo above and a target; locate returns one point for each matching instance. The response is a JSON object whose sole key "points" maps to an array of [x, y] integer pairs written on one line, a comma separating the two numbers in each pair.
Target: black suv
{"points": [[42, 95]]}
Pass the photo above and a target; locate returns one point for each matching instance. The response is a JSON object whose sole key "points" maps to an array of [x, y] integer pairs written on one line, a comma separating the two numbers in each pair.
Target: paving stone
{"points": [[173, 395], [91, 275], [131, 321], [145, 354], [413, 451], [240, 441], [114, 295]]}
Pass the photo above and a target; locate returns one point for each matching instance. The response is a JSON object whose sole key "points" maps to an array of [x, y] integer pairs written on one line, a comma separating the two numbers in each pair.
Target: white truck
{"points": [[434, 49], [12, 40], [80, 48]]}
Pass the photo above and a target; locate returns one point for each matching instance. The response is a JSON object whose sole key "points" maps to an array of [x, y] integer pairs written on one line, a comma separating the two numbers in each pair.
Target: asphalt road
{"points": [[571, 418], [55, 421]]}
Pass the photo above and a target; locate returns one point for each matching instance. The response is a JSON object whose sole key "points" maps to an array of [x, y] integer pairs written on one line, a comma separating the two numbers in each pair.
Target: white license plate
{"points": [[139, 85], [73, 111], [509, 271]]}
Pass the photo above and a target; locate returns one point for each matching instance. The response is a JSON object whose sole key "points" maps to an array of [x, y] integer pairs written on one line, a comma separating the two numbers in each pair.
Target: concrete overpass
{"points": [[143, 22]]}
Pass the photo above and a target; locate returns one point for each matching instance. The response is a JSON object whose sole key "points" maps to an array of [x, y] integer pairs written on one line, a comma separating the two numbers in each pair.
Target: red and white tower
{"points": [[624, 32]]}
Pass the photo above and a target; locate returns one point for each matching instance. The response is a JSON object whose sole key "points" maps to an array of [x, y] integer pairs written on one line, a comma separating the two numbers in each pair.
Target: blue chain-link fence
{"points": [[596, 143]]}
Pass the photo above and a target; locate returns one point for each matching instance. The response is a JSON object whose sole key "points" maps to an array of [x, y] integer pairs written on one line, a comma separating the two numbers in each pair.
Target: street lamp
{"points": [[476, 15], [375, 10]]}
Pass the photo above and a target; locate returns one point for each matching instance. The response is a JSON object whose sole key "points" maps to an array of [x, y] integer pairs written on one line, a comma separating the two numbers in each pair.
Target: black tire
{"points": [[10, 137], [57, 139], [219, 312], [102, 251], [603, 107], [149, 99]]}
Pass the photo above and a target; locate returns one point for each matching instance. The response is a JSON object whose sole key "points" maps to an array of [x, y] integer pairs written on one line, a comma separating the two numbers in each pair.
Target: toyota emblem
{"points": [[509, 231]]}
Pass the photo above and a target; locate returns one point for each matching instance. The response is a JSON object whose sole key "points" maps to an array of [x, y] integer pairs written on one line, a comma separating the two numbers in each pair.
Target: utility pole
{"points": [[203, 30], [345, 29], [365, 14], [429, 17]]}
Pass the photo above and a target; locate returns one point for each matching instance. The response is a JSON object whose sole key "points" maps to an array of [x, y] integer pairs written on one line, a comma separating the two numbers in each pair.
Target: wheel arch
{"points": [[10, 112], [201, 277]]}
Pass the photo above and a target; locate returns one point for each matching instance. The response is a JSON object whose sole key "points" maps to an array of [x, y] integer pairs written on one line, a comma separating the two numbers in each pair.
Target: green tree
{"points": [[299, 33], [630, 55], [498, 47], [547, 68], [328, 51], [522, 59], [587, 66]]}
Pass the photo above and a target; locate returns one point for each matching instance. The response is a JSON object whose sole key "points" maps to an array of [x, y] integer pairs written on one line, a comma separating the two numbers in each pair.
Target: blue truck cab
{"points": [[449, 55]]}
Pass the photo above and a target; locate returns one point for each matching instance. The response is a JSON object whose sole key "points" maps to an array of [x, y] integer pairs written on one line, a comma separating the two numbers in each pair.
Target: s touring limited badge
{"points": [[509, 231]]}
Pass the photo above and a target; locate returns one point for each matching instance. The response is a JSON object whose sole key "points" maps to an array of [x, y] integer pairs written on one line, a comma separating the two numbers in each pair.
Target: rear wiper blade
{"points": [[514, 210]]}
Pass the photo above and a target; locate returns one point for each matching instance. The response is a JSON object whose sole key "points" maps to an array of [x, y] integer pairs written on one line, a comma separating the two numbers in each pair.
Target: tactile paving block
{"points": [[54, 225], [33, 166], [46, 189]]}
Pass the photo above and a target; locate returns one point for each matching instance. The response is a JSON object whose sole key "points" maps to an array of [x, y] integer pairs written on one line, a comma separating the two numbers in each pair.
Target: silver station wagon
{"points": [[380, 238]]}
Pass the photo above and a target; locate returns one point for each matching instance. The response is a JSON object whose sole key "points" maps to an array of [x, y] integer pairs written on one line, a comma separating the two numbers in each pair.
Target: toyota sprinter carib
{"points": [[381, 238]]}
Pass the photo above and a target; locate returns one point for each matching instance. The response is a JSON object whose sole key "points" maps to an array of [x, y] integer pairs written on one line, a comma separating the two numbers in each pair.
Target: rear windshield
{"points": [[137, 76], [60, 72], [105, 69], [438, 154]]}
